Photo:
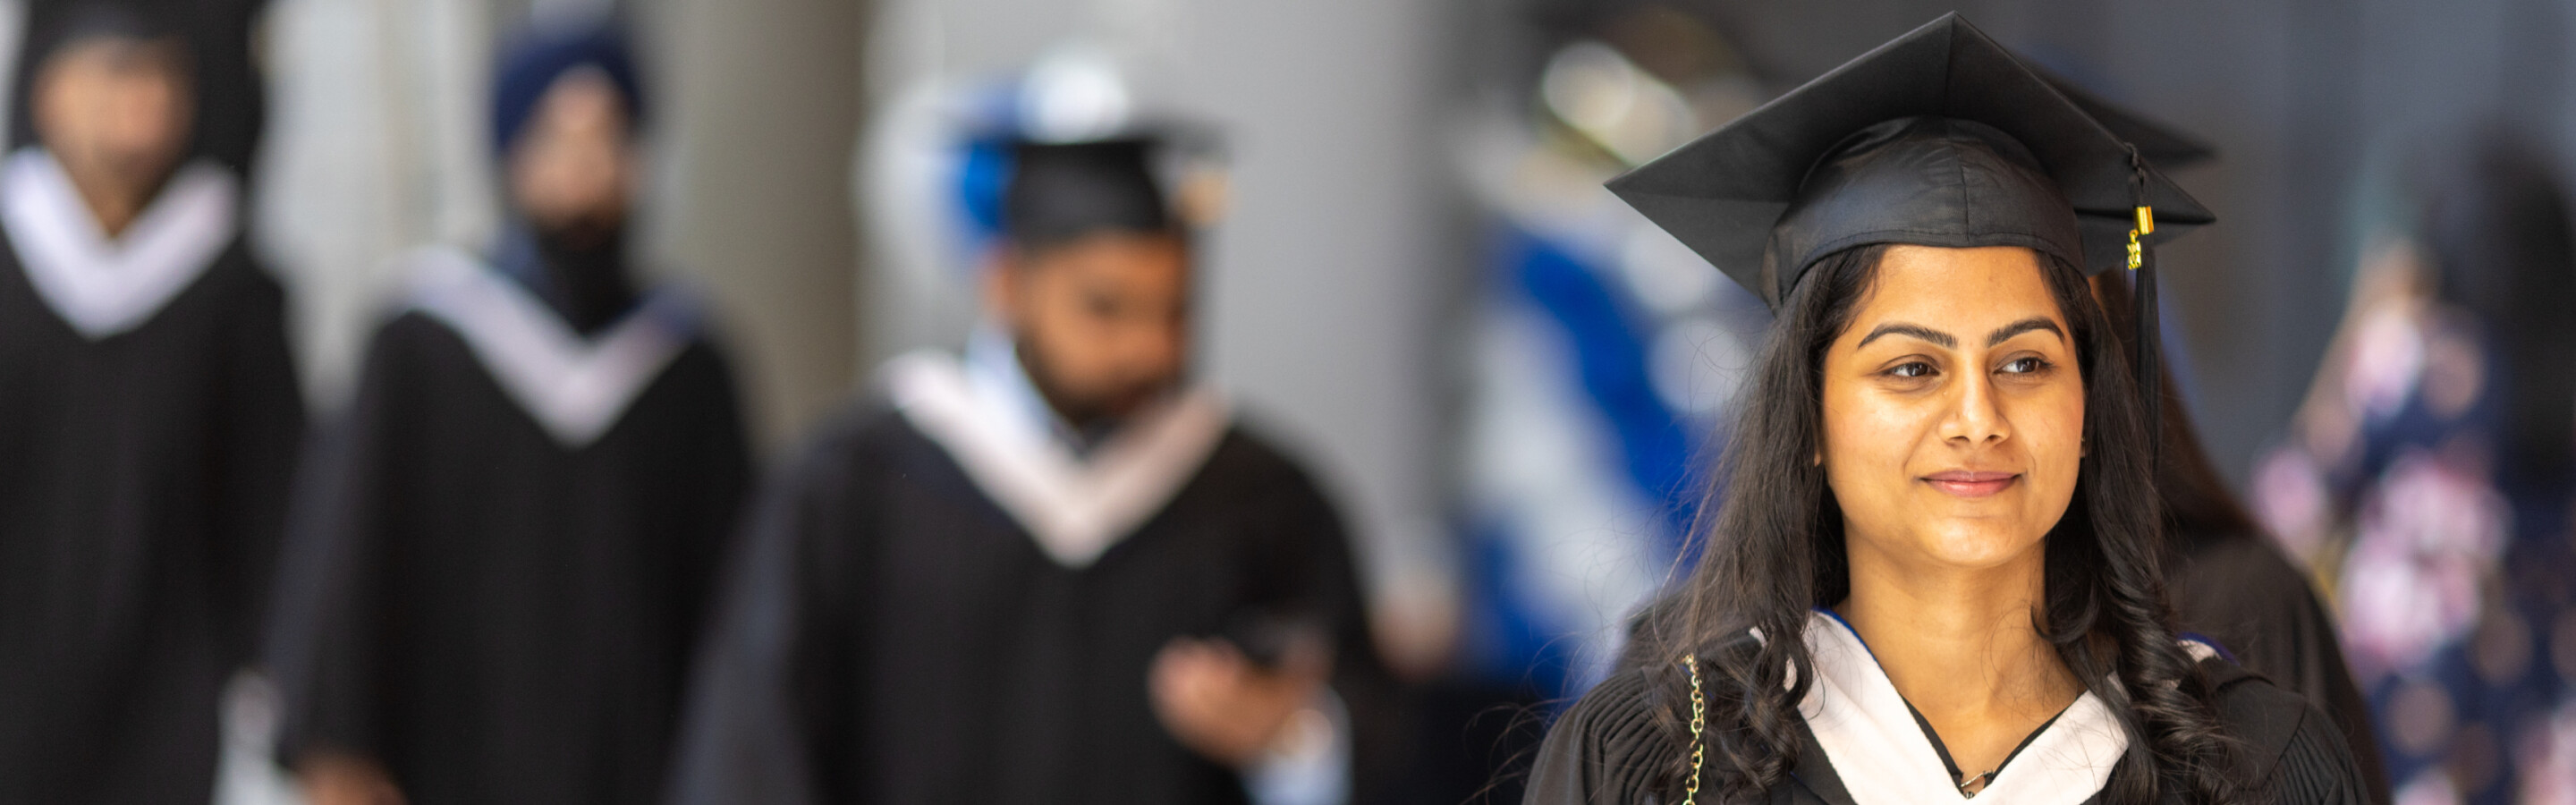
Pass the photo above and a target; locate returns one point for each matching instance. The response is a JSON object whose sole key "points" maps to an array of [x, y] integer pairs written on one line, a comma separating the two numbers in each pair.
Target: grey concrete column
{"points": [[1324, 308], [760, 102]]}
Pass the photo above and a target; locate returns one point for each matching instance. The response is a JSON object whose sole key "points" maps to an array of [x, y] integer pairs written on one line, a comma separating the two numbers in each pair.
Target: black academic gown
{"points": [[892, 635], [495, 615], [142, 484], [2240, 590], [1612, 749]]}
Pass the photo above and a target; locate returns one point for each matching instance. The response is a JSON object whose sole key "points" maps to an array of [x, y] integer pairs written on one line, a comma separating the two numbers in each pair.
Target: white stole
{"points": [[574, 387], [1075, 507], [1884, 758], [105, 286]]}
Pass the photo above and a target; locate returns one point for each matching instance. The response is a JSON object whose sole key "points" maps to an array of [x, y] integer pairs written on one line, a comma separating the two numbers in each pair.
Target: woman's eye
{"points": [[1911, 370], [2025, 365]]}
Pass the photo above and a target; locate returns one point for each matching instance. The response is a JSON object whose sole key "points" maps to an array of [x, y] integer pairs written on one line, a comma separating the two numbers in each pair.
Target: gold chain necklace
{"points": [[1698, 723]]}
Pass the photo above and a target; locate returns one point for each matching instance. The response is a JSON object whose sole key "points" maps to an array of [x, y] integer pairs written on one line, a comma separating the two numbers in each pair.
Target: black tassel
{"points": [[2146, 332], [2150, 335]]}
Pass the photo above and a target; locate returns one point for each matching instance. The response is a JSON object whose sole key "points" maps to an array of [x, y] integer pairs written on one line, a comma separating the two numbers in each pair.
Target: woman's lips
{"points": [[1971, 484]]}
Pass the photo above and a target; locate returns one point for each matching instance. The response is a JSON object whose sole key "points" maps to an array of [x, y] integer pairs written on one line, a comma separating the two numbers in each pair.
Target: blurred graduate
{"points": [[1056, 570], [148, 410], [499, 559]]}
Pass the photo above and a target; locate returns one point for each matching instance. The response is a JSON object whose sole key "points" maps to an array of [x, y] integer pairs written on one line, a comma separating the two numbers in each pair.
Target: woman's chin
{"points": [[1975, 544]]}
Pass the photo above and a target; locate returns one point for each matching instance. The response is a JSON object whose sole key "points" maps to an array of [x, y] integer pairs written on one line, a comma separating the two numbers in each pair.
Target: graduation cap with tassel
{"points": [[2167, 148], [1939, 138]]}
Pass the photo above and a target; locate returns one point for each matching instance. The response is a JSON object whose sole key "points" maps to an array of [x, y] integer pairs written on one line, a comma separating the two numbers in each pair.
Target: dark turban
{"points": [[536, 60]]}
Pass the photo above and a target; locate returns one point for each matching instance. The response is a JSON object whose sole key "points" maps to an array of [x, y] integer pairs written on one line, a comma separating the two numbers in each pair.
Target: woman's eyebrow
{"points": [[1915, 330], [2023, 326]]}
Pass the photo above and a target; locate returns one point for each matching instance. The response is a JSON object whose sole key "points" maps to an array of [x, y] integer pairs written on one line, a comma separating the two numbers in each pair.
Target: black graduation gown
{"points": [[495, 616], [2240, 590], [892, 635], [1609, 749], [143, 481]]}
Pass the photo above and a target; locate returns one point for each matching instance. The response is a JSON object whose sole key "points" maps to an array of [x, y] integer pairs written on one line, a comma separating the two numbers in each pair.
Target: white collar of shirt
{"points": [[992, 365], [104, 286], [992, 422], [574, 387], [1883, 757]]}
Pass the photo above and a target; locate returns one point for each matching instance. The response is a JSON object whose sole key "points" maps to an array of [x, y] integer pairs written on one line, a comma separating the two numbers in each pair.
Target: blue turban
{"points": [[533, 63]]}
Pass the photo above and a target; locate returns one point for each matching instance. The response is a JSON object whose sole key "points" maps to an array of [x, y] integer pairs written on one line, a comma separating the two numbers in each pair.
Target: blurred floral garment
{"points": [[2450, 570]]}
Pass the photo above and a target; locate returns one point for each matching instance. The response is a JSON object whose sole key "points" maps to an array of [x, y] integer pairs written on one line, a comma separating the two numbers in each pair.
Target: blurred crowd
{"points": [[527, 547]]}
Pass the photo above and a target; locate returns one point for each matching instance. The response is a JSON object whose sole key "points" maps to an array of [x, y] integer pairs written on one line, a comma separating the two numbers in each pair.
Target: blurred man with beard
{"points": [[148, 415], [1057, 570], [499, 559]]}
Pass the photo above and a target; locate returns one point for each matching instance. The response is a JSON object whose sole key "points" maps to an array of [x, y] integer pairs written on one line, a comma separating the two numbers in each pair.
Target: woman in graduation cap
{"points": [[1934, 572]]}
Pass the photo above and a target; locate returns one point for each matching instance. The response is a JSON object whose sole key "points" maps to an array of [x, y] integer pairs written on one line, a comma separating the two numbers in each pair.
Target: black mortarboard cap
{"points": [[2168, 148], [1062, 191], [1939, 138]]}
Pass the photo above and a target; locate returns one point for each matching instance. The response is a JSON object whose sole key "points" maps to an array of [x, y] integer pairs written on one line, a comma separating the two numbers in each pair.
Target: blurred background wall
{"points": [[764, 100]]}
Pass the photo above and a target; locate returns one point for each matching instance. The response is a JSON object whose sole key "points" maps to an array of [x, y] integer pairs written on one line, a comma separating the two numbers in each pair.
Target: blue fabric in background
{"points": [[1609, 343], [983, 175], [1519, 635]]}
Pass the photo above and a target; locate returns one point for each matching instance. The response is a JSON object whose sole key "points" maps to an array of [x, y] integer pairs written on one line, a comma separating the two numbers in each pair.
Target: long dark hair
{"points": [[1773, 550]]}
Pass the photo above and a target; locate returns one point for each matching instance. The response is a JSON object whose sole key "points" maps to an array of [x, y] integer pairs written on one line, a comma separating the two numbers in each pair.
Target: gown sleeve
{"points": [[723, 451], [1605, 750], [2317, 768], [766, 709], [263, 428], [1313, 570], [2241, 590], [323, 635], [2297, 753]]}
